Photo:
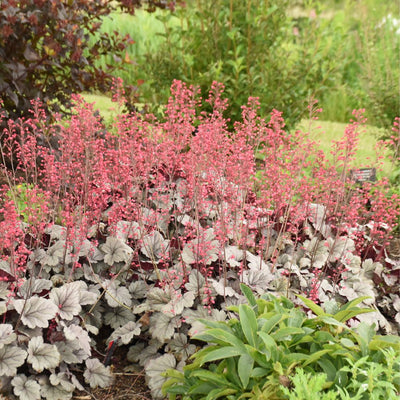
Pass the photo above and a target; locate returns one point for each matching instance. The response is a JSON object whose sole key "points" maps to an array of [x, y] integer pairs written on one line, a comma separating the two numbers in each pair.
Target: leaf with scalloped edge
{"points": [[154, 373], [96, 374], [115, 251], [163, 326], [117, 295], [11, 357], [118, 317], [154, 246], [26, 388], [67, 299], [7, 334], [77, 333], [42, 355], [126, 333], [35, 311], [33, 285]]}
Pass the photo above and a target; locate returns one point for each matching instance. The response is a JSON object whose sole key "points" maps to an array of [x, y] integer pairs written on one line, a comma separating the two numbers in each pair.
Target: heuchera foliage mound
{"points": [[131, 235]]}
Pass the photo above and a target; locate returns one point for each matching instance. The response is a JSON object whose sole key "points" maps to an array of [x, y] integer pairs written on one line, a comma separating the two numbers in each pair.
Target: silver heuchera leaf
{"points": [[36, 311], [50, 392], [118, 317], [126, 333], [353, 290], [4, 290], [76, 333], [139, 289], [339, 247], [115, 251], [54, 255], [71, 352], [96, 374], [154, 246], [233, 255], [204, 249], [163, 326], [222, 288], [62, 379], [26, 389], [127, 229], [7, 334], [67, 300], [192, 317], [257, 280], [117, 295], [33, 285], [180, 347], [11, 357], [154, 370], [141, 353], [42, 355]]}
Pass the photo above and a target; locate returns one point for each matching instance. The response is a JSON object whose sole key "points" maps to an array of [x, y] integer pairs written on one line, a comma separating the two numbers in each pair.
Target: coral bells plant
{"points": [[132, 235]]}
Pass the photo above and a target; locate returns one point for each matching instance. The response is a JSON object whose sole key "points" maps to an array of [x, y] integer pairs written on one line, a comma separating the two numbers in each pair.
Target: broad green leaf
{"points": [[26, 389], [332, 321], [11, 357], [316, 356], [42, 355], [353, 303], [223, 336], [285, 332], [231, 371], [210, 376], [221, 353], [272, 322], [383, 342], [270, 346], [345, 315], [245, 366], [328, 368], [249, 295], [202, 387], [220, 392], [248, 322], [96, 374], [317, 310], [259, 372]]}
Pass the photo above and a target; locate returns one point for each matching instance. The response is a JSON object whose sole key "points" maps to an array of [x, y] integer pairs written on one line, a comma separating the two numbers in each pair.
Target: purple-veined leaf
{"points": [[42, 355], [96, 374], [67, 299], [126, 333], [11, 357], [7, 334], [35, 311], [26, 388]]}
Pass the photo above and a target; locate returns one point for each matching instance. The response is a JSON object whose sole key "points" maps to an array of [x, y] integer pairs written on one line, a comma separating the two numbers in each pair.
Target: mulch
{"points": [[127, 386]]}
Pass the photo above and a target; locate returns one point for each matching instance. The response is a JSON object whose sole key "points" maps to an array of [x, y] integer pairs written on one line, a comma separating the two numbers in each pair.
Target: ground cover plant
{"points": [[130, 237]]}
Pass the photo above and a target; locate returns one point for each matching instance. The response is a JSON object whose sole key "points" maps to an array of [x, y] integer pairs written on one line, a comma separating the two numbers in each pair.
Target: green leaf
{"points": [[316, 356], [221, 353], [317, 310], [248, 322], [345, 315], [328, 368], [270, 346], [220, 392], [283, 333], [383, 342], [249, 295], [245, 367], [211, 377], [221, 335], [353, 303], [272, 322]]}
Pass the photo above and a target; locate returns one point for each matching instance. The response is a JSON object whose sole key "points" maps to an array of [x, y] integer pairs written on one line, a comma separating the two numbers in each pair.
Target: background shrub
{"points": [[46, 51]]}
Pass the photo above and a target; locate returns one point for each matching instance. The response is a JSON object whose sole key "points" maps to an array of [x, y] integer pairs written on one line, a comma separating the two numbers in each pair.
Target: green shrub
{"points": [[257, 355]]}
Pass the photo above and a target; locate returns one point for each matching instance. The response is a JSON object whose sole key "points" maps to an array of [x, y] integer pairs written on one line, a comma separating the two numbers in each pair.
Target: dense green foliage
{"points": [[272, 343], [344, 53]]}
